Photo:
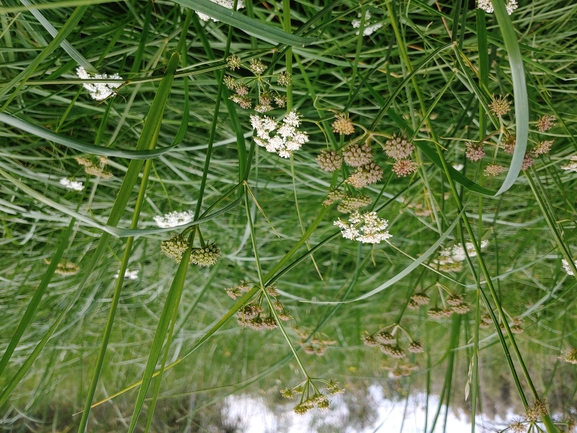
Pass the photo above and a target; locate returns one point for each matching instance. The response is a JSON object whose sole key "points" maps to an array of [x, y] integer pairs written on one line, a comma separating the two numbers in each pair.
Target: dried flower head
{"points": [[398, 147], [494, 170], [365, 175], [527, 162], [405, 167], [543, 148], [330, 160], [343, 125], [357, 156], [64, 267], [474, 151], [385, 337], [509, 146], [546, 122], [499, 106], [94, 168]]}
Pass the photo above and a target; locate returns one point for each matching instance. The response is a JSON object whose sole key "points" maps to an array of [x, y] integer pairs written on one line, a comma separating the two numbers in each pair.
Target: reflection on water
{"points": [[250, 414]]}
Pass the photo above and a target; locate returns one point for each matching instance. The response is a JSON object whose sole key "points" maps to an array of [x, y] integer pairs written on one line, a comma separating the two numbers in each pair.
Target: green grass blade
{"points": [[38, 294], [78, 145], [251, 26], [519, 93]]}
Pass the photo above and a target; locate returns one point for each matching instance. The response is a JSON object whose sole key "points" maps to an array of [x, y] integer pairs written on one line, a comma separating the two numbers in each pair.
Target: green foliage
{"points": [[254, 130]]}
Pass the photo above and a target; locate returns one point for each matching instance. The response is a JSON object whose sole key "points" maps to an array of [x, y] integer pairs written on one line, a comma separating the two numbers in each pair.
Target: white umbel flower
{"points": [[71, 184], [282, 138], [99, 91], [369, 28], [567, 268], [129, 275], [366, 228], [572, 166], [174, 219], [487, 6]]}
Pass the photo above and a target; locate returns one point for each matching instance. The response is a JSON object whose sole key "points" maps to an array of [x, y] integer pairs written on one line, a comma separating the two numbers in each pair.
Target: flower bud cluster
{"points": [[64, 267], [316, 345], [450, 259], [255, 314], [243, 87], [400, 149], [388, 341], [311, 395], [94, 168]]}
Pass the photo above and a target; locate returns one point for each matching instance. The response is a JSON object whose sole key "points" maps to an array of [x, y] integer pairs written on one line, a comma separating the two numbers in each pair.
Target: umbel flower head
{"points": [[280, 138], [369, 27], [71, 184], [488, 7], [174, 219], [99, 91], [174, 247], [366, 228], [205, 256], [330, 160]]}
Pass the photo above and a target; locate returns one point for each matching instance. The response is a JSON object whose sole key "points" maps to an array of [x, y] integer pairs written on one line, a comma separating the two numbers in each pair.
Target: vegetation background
{"points": [[94, 314]]}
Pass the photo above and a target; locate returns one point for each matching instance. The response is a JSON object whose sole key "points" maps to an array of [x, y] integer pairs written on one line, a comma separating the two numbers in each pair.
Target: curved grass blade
{"points": [[519, 94], [248, 25], [78, 145]]}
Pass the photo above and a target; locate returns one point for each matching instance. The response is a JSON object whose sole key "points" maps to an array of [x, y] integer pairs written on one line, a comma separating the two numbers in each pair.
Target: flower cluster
{"points": [[256, 314], [315, 344], [400, 149], [176, 246], [494, 170], [387, 340], [366, 228], [94, 166], [572, 166], [174, 219], [499, 106], [351, 203], [71, 184], [399, 370], [343, 125], [281, 138], [450, 258], [417, 300], [330, 160], [567, 268], [128, 274], [65, 267], [369, 27], [546, 122], [311, 395], [99, 91], [570, 355], [229, 4], [474, 151], [243, 87], [488, 7]]}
